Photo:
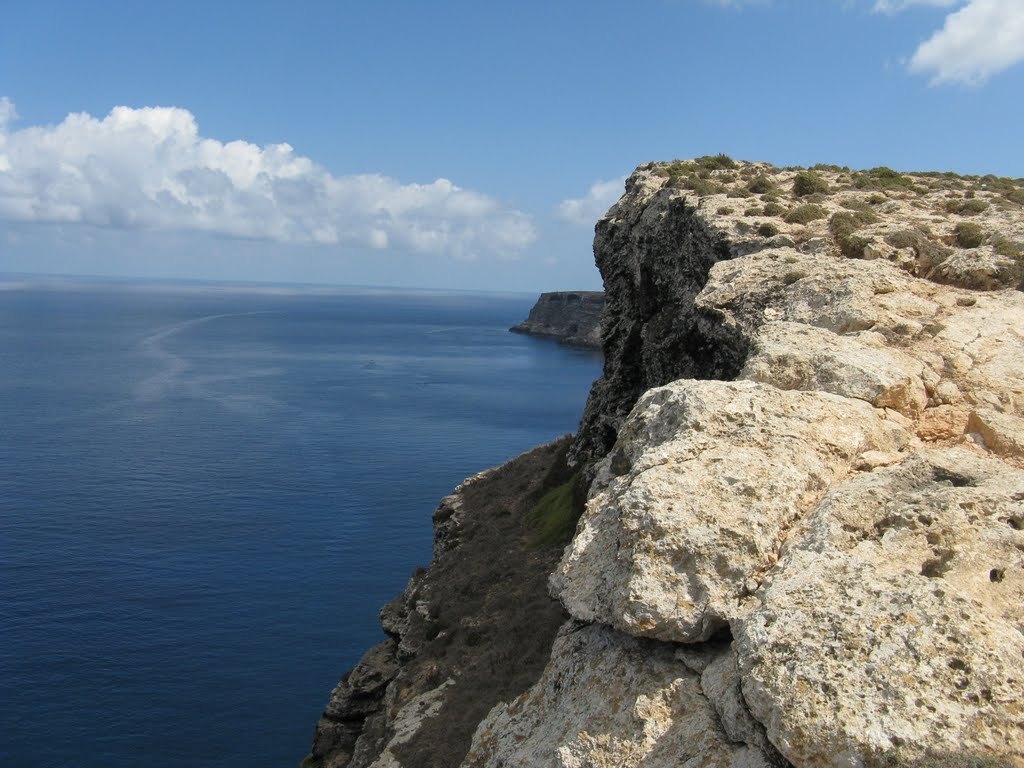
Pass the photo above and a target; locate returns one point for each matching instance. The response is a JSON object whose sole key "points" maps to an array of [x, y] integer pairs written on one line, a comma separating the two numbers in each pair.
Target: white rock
{"points": [[608, 700], [698, 496], [893, 621]]}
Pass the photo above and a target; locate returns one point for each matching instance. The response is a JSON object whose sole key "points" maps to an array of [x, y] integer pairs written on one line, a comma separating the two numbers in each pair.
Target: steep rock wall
{"points": [[804, 535], [571, 317]]}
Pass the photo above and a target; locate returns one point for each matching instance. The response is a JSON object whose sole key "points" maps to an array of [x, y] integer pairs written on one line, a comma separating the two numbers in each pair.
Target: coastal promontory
{"points": [[793, 515], [571, 317]]}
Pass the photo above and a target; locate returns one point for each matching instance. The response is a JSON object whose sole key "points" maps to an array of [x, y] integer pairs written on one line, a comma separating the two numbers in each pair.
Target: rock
{"points": [[977, 268], [797, 356], [474, 629], [698, 495], [654, 250], [358, 700], [892, 623], [571, 317], [804, 536], [1001, 433], [606, 699]]}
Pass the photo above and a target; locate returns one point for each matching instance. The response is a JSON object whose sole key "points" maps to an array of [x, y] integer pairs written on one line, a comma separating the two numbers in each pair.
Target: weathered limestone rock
{"points": [[571, 317], [699, 494], [804, 539], [609, 700], [1000, 432], [893, 622], [860, 366]]}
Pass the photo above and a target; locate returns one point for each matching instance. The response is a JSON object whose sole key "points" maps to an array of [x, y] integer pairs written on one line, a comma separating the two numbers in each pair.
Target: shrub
{"points": [[677, 169], [969, 235], [760, 185], [716, 162], [755, 211], [855, 204], [1005, 247], [966, 207], [791, 277], [774, 209], [554, 516], [724, 210], [926, 250], [844, 226], [702, 187], [767, 229], [805, 214], [1015, 196], [739, 192], [884, 178], [877, 199], [807, 183]]}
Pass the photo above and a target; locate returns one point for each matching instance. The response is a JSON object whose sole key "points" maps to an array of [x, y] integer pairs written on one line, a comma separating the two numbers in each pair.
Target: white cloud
{"points": [[588, 209], [7, 111], [151, 169], [981, 39], [895, 6]]}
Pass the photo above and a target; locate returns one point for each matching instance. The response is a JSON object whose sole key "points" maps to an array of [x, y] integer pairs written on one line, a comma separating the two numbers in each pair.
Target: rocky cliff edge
{"points": [[571, 317], [803, 539]]}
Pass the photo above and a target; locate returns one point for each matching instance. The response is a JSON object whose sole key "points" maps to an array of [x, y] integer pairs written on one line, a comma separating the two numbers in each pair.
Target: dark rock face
{"points": [[574, 318], [474, 629], [654, 252]]}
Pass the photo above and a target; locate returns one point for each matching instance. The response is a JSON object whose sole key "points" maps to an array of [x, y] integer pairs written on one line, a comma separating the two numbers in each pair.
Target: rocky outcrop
{"points": [[472, 630], [571, 317], [803, 539]]}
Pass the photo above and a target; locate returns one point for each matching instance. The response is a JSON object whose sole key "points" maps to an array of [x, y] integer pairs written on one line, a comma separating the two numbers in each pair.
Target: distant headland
{"points": [[571, 317]]}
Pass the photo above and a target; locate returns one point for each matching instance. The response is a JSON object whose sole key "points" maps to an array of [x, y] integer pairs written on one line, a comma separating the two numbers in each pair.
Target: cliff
{"points": [[573, 318], [803, 534]]}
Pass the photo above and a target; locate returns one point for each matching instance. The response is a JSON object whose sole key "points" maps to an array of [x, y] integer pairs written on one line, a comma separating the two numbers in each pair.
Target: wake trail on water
{"points": [[174, 380]]}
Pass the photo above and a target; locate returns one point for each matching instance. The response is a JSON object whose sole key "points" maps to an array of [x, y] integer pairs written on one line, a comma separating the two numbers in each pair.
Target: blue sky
{"points": [[454, 144]]}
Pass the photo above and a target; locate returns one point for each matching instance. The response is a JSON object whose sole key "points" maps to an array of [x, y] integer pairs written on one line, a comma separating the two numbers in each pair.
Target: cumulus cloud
{"points": [[592, 206], [150, 168], [981, 39]]}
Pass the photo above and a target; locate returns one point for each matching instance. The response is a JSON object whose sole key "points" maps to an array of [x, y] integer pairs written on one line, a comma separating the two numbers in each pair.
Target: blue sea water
{"points": [[207, 493]]}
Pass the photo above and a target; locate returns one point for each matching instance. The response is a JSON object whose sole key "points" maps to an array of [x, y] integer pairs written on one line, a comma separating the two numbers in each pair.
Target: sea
{"points": [[208, 491]]}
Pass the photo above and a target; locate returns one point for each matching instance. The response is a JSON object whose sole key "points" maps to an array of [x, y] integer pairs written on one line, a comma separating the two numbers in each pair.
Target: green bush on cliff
{"points": [[805, 214], [716, 162], [554, 515], [885, 178], [969, 235], [843, 227], [760, 185], [808, 183]]}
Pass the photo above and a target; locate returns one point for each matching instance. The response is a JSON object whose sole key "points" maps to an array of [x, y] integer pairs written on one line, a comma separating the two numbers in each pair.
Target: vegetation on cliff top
{"points": [[915, 219]]}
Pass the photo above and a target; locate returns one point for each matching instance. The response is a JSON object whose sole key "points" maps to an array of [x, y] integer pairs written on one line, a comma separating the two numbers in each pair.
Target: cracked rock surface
{"points": [[803, 541]]}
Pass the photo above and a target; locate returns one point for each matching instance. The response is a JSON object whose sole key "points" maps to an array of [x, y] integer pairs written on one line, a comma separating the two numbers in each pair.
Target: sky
{"points": [[458, 144]]}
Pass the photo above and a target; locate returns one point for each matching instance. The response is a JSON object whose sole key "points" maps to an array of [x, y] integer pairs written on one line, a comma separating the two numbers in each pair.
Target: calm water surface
{"points": [[207, 494]]}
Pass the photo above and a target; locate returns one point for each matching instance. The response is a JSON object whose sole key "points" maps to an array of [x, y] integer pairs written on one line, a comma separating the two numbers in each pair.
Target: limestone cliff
{"points": [[571, 317], [803, 539]]}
